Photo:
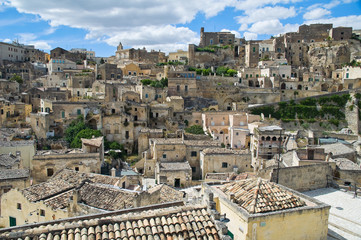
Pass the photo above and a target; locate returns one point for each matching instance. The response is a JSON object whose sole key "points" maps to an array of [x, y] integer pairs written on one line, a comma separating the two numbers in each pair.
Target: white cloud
{"points": [[7, 40], [26, 37], [243, 27], [40, 45], [332, 4], [273, 27], [316, 13], [31, 39], [236, 34], [353, 21], [253, 4], [250, 36], [138, 22], [266, 13]]}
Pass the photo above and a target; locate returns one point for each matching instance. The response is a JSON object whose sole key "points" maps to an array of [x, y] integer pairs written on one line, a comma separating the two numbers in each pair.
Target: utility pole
{"points": [[279, 156]]}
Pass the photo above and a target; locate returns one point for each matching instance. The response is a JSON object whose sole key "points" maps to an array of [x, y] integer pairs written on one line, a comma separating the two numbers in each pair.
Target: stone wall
{"points": [[352, 176], [303, 178]]}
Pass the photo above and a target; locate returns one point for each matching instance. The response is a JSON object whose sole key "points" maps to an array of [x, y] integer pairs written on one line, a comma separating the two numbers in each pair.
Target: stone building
{"points": [[252, 54], [220, 160], [259, 209], [341, 33], [114, 224], [133, 69], [182, 84], [24, 148], [8, 87], [12, 173], [60, 53], [109, 71], [178, 56], [173, 151], [139, 55], [57, 65], [216, 38], [231, 129], [88, 159], [13, 114], [266, 142], [69, 193], [12, 52]]}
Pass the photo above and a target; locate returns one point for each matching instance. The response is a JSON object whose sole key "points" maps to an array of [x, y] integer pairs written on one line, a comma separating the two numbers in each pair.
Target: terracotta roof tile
{"points": [[259, 195]]}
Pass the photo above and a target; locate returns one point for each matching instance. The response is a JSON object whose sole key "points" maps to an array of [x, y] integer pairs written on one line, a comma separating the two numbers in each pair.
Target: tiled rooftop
{"points": [[337, 149], [156, 223], [167, 141], [96, 142], [106, 197], [224, 151], [346, 164], [59, 151], [170, 166], [8, 174], [16, 143], [259, 196], [74, 177], [8, 160], [167, 193], [46, 189]]}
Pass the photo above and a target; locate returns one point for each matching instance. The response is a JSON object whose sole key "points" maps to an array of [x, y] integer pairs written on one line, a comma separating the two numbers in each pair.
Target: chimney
{"points": [[76, 196], [112, 172]]}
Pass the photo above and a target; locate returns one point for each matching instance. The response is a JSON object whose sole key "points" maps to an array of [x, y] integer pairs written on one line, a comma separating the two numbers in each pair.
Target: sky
{"points": [[165, 25]]}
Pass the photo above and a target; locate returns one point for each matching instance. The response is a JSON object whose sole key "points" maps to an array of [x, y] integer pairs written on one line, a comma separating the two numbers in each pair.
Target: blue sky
{"points": [[165, 25]]}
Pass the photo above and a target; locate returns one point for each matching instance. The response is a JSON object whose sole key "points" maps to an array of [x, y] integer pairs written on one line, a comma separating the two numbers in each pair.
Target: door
{"points": [[12, 221], [177, 182]]}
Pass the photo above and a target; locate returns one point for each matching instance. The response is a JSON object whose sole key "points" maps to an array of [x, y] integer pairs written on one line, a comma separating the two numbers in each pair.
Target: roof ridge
{"points": [[255, 196]]}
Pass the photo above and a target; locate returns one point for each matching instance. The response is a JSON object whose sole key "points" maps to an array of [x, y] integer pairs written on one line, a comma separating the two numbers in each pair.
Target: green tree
{"points": [[85, 133], [195, 129], [17, 78], [231, 72], [221, 70], [74, 128]]}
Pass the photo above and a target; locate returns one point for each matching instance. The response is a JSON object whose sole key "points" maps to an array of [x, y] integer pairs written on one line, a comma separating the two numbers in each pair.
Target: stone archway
{"points": [[324, 87], [283, 86], [93, 124]]}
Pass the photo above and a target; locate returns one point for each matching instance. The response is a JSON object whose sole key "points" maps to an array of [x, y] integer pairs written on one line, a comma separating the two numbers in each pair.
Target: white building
{"points": [[12, 52], [59, 65]]}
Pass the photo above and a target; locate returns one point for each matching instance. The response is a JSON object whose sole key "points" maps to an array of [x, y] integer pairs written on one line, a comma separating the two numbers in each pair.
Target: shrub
{"points": [[195, 129]]}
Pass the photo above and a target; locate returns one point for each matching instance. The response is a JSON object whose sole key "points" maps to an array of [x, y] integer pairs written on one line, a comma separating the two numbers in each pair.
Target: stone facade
{"points": [[224, 160]]}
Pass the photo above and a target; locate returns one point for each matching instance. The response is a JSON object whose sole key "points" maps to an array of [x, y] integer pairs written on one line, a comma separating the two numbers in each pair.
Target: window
{"points": [[146, 95], [254, 49], [237, 134], [194, 169], [62, 114], [164, 155], [194, 154], [78, 111], [50, 172], [18, 206], [224, 165], [77, 169], [112, 75], [178, 88], [347, 75], [42, 212], [186, 88]]}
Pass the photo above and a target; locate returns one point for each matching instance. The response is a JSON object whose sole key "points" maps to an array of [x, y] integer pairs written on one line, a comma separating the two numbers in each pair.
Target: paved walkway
{"points": [[345, 213]]}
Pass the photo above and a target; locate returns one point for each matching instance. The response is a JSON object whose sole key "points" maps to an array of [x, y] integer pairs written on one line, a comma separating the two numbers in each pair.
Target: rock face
{"points": [[326, 54]]}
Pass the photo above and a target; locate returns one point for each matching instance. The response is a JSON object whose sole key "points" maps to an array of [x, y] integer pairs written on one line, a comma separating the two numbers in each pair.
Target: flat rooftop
{"points": [[345, 214]]}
